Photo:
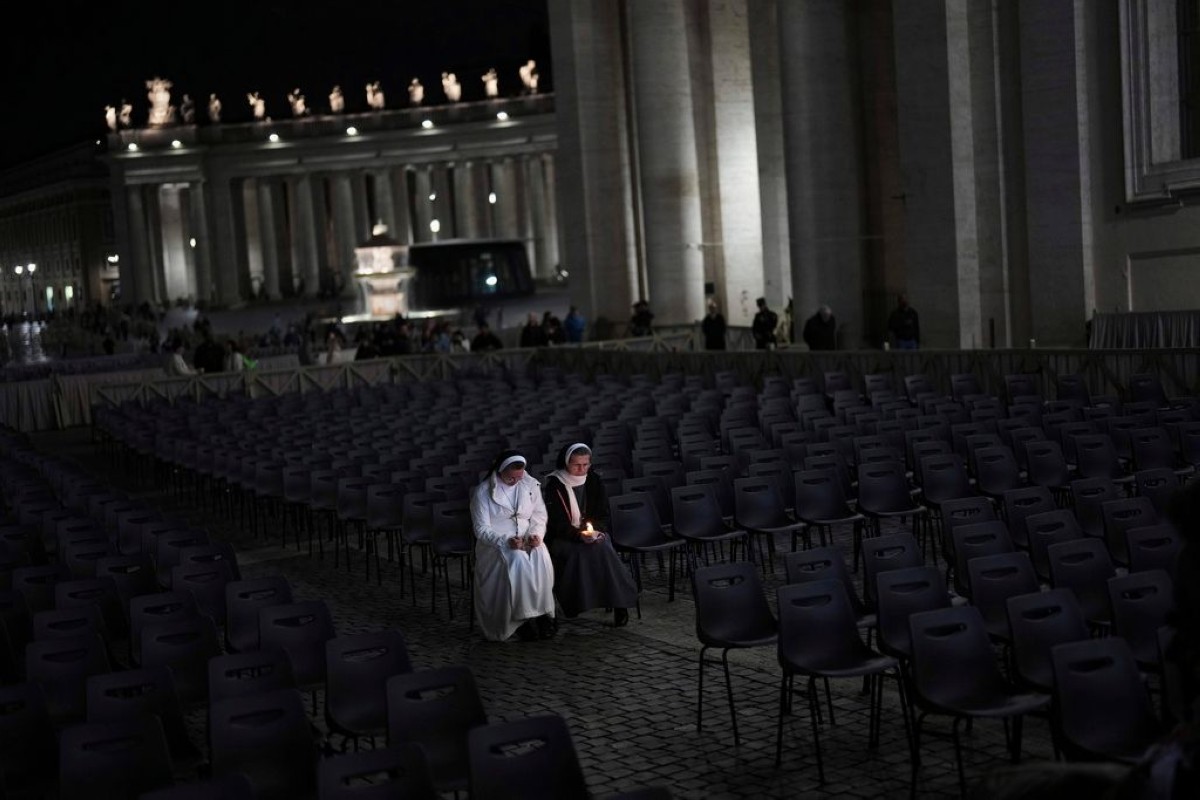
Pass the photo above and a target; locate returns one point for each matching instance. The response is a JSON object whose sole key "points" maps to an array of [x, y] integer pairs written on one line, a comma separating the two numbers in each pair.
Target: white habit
{"points": [[511, 586]]}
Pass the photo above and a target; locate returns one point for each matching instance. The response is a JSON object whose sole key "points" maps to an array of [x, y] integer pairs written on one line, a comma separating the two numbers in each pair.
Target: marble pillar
{"points": [[154, 231], [402, 204], [343, 229], [763, 26], [304, 247], [822, 147], [670, 181], [593, 188], [381, 192], [1056, 110], [198, 229], [422, 206], [176, 281], [255, 238], [225, 227], [140, 287], [268, 221], [535, 201], [442, 206], [504, 210], [466, 217]]}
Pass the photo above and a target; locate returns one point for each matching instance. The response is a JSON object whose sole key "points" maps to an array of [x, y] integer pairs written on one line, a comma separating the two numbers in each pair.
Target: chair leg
{"points": [[700, 691], [829, 702], [813, 704], [914, 756], [958, 760], [783, 695], [729, 694]]}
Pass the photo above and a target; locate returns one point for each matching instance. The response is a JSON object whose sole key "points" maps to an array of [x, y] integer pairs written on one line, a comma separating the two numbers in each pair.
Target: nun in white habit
{"points": [[514, 577]]}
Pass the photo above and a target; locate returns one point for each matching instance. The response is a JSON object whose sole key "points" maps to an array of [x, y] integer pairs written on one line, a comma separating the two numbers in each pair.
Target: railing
{"points": [[1107, 372]]}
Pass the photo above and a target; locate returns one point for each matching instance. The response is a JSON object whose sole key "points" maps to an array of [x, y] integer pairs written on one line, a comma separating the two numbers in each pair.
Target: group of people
{"points": [[536, 543], [820, 331]]}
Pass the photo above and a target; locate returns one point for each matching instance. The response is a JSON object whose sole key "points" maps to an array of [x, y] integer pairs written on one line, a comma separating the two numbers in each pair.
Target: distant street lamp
{"points": [[32, 268]]}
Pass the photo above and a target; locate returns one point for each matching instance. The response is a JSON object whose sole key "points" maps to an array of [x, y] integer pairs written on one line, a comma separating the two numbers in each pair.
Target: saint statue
{"points": [[374, 96], [110, 117], [337, 103], [416, 93], [161, 111], [451, 87], [491, 84], [529, 76], [187, 110], [299, 108], [125, 117], [214, 108], [258, 105]]}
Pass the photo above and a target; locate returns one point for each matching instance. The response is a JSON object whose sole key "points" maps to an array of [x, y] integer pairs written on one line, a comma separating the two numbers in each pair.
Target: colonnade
{"points": [[235, 230]]}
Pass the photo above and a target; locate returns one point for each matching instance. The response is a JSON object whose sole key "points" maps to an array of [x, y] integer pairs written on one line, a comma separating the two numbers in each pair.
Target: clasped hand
{"points": [[526, 543]]}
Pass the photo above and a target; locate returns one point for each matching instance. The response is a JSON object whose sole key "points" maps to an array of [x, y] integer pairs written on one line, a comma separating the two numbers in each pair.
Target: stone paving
{"points": [[629, 694]]}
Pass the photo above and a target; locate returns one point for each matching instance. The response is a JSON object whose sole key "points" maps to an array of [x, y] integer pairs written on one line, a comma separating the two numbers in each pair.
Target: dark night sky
{"points": [[70, 59]]}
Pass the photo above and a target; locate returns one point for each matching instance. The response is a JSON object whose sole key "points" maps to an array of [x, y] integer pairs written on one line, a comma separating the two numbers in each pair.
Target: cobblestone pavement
{"points": [[629, 694]]}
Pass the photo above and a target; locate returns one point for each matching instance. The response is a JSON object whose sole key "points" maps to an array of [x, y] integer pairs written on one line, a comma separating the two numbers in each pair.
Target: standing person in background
{"points": [[820, 332], [713, 328], [533, 334], [763, 326], [642, 321], [904, 325], [574, 325]]}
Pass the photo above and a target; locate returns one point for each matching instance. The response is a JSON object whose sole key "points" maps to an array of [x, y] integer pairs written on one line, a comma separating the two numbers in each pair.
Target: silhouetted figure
{"points": [[904, 325], [485, 340], [820, 332], [642, 321], [763, 326], [713, 328]]}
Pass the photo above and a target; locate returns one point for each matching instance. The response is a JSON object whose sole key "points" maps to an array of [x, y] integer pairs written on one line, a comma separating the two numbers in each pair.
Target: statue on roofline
{"points": [[416, 92], [161, 111]]}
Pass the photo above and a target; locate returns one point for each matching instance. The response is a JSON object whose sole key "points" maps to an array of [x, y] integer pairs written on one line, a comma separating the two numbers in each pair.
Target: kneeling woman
{"points": [[588, 572], [514, 578]]}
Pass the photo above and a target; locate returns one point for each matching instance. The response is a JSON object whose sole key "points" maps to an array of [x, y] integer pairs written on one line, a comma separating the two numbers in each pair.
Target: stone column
{"points": [[504, 210], [401, 205], [175, 282], [422, 205], [552, 237], [140, 288], [763, 24], [198, 228], [481, 186], [268, 233], [363, 219], [822, 141], [343, 230], [154, 232], [306, 263], [1056, 110], [381, 190], [535, 185], [466, 218], [226, 268], [593, 188], [252, 275], [738, 247], [443, 210], [670, 180]]}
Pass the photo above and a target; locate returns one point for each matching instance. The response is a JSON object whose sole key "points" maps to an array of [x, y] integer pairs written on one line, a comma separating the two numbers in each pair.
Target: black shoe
{"points": [[620, 617], [528, 632], [546, 626]]}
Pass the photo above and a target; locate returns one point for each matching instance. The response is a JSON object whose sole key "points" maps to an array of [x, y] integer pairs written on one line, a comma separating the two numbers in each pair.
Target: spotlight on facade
{"points": [[426, 124], [192, 242], [352, 131], [432, 196], [32, 268], [274, 137], [492, 198], [113, 259], [176, 144], [502, 115], [18, 269], [491, 280], [132, 147], [434, 226]]}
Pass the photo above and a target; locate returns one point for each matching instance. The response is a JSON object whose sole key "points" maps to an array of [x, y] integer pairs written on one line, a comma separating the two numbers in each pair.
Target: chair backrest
{"points": [[1141, 603], [819, 495], [391, 772], [1119, 516], [301, 630], [1084, 566], [28, 740], [966, 511], [634, 521], [952, 659], [184, 645], [119, 758], [526, 759], [1154, 547], [731, 604], [1046, 464], [357, 668], [722, 482], [211, 553], [900, 593], [653, 487], [131, 693], [99, 593], [453, 532], [61, 667], [995, 578], [435, 708], [1088, 496], [1159, 485], [150, 609], [36, 584], [243, 599], [822, 563], [817, 624], [1088, 674], [62, 623], [883, 488], [1096, 457], [883, 553], [132, 575], [1151, 447], [975, 541], [267, 738], [1046, 529], [255, 672], [696, 511], [206, 583], [1037, 622]]}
